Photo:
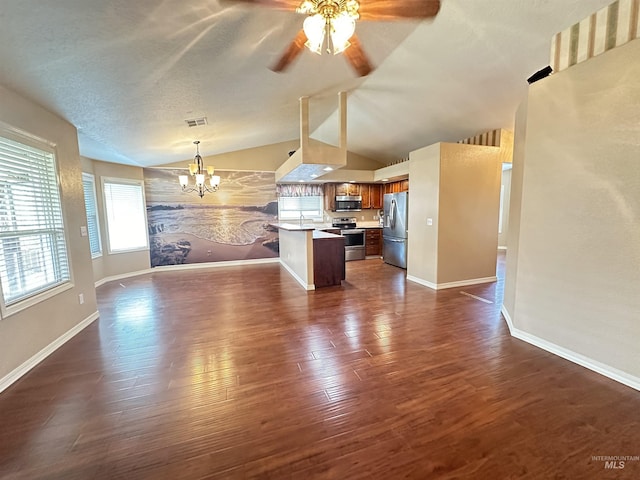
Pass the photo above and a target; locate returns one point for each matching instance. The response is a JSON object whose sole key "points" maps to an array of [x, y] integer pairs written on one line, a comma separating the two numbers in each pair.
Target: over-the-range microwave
{"points": [[348, 203]]}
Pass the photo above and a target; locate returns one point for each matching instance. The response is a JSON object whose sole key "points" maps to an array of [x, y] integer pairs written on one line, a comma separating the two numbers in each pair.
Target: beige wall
{"points": [[268, 158], [506, 201], [113, 265], [422, 246], [468, 217], [263, 159], [26, 333], [577, 274], [515, 207], [458, 187]]}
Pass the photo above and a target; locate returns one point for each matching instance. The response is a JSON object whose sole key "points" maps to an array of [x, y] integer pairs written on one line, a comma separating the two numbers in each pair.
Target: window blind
{"points": [[33, 251], [91, 207], [125, 212], [292, 207]]}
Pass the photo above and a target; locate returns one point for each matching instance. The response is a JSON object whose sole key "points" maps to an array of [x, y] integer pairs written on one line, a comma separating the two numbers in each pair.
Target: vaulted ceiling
{"points": [[129, 73]]}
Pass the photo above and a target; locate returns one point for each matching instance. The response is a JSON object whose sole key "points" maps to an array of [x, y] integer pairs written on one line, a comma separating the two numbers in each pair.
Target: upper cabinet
{"points": [[397, 187], [348, 189], [372, 193], [372, 196], [330, 197]]}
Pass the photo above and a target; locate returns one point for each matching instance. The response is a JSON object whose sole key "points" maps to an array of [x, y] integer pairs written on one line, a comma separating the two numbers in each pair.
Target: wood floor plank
{"points": [[254, 377]]}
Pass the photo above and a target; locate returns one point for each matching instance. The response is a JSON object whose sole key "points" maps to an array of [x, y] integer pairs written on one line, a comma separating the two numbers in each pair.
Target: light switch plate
{"points": [[83, 231]]}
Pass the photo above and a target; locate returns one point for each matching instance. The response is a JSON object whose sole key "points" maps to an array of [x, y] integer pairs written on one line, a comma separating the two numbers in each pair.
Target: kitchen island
{"points": [[313, 257]]}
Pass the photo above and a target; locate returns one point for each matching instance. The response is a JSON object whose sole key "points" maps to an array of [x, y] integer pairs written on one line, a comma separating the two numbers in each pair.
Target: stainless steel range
{"points": [[353, 238]]}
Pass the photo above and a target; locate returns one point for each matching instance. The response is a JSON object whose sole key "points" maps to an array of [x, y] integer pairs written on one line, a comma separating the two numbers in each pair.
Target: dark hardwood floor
{"points": [[240, 373]]}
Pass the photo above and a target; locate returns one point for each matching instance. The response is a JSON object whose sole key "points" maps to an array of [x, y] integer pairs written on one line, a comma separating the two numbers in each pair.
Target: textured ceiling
{"points": [[128, 73]]}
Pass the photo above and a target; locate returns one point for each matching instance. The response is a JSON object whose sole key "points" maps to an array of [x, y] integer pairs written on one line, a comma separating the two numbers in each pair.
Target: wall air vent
{"points": [[196, 122]]}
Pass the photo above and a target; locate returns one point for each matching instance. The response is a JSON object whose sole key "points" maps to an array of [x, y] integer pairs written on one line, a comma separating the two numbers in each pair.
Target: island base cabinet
{"points": [[328, 261]]}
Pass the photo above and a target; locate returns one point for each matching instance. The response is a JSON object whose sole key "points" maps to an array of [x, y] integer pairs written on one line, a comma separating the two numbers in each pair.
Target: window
{"points": [[91, 207], [126, 220], [290, 208], [33, 250]]}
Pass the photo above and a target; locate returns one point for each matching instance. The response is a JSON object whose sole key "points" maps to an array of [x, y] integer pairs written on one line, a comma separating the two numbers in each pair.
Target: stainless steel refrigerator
{"points": [[394, 233]]}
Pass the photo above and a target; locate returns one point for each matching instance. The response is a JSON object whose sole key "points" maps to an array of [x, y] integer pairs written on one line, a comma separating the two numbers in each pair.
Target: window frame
{"points": [[311, 218], [8, 309], [131, 182], [90, 178]]}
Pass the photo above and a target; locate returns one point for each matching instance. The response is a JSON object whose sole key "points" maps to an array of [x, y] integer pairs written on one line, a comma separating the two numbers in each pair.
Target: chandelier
{"points": [[333, 19], [197, 170]]}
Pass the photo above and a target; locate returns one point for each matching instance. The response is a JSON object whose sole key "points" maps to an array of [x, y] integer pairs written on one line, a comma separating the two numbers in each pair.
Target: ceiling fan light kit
{"points": [[334, 22]]}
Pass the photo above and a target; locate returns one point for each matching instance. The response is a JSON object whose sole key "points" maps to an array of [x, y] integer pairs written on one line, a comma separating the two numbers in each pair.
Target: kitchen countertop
{"points": [[293, 227], [321, 226], [373, 224]]}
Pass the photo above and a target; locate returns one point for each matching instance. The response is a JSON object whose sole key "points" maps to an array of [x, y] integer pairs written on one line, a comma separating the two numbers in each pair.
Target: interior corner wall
{"points": [[469, 201], [515, 208], [118, 264], [422, 247], [506, 201], [25, 335], [578, 260]]}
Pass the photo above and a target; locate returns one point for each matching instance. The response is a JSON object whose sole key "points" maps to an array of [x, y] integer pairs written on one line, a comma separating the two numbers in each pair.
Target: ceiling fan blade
{"points": [[279, 4], [382, 10], [357, 58], [291, 53]]}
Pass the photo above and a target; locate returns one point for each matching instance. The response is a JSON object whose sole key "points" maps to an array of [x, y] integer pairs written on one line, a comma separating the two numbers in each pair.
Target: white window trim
{"points": [[124, 181], [308, 218], [91, 178], [27, 138]]}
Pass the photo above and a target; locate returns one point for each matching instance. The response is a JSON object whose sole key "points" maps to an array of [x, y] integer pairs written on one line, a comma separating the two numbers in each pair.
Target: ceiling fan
{"points": [[333, 22]]}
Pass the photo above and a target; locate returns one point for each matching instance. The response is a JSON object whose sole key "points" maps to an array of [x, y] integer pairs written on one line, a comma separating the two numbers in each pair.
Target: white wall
{"points": [[573, 282], [27, 333]]}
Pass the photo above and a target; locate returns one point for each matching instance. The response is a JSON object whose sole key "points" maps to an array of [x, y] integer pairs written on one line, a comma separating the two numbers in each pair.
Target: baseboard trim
{"points": [[586, 362], [23, 369], [114, 278], [422, 282], [304, 284], [190, 266], [230, 263], [444, 286]]}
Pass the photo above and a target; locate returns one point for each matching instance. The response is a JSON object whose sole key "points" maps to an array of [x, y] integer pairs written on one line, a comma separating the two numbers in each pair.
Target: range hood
{"points": [[314, 159]]}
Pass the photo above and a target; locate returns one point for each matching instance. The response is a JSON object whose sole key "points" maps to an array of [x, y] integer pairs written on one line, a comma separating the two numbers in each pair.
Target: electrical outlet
{"points": [[83, 231], [429, 222]]}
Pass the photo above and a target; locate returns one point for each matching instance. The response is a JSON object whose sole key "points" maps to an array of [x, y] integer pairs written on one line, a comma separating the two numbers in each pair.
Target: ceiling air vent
{"points": [[196, 122]]}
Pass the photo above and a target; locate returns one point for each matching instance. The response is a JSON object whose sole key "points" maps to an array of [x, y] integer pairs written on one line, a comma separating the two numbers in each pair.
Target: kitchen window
{"points": [[91, 207], [33, 250], [125, 213], [292, 208]]}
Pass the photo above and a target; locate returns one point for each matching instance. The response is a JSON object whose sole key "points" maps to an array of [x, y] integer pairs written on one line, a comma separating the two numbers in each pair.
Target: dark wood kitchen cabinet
{"points": [[328, 259], [348, 189], [375, 195], [373, 242], [366, 196], [330, 197], [396, 187]]}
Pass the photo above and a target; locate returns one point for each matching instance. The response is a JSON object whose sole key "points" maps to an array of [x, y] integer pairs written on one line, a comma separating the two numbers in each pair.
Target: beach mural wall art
{"points": [[227, 225]]}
